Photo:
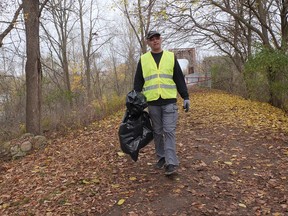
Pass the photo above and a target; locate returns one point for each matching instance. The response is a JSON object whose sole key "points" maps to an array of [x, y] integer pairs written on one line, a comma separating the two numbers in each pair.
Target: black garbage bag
{"points": [[135, 103], [135, 131]]}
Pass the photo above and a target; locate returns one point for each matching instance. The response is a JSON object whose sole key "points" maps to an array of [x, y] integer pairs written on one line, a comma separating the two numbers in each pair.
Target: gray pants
{"points": [[164, 120]]}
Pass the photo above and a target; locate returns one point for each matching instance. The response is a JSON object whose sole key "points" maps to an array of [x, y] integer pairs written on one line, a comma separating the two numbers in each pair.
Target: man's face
{"points": [[155, 43]]}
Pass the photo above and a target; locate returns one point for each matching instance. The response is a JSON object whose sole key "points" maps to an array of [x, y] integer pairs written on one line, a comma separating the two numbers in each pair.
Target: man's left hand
{"points": [[186, 105]]}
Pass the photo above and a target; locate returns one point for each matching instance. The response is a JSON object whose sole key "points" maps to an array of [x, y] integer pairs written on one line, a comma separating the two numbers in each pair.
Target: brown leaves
{"points": [[233, 161]]}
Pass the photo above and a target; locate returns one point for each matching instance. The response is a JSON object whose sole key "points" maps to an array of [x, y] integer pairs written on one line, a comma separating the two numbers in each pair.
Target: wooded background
{"points": [[65, 63]]}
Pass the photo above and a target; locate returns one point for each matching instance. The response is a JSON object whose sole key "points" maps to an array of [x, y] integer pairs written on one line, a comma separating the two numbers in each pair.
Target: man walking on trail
{"points": [[159, 77]]}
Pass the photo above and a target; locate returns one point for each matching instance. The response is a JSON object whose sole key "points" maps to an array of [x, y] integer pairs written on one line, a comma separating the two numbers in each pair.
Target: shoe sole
{"points": [[160, 167], [170, 173]]}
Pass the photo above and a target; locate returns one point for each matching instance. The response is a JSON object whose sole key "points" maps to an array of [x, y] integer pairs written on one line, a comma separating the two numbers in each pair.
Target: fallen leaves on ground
{"points": [[233, 155]]}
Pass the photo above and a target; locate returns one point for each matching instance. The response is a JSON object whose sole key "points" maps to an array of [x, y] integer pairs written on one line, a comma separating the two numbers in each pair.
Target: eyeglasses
{"points": [[154, 38]]}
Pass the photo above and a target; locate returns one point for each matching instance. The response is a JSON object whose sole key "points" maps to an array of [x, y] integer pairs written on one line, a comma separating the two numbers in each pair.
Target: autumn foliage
{"points": [[233, 155]]}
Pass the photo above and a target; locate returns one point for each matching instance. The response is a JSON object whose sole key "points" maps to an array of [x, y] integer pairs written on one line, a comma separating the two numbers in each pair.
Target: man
{"points": [[159, 77]]}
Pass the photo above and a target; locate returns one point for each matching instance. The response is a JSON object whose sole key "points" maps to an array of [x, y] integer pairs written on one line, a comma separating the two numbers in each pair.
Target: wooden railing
{"points": [[198, 80]]}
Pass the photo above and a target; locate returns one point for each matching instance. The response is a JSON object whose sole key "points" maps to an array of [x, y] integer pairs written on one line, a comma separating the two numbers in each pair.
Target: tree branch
{"points": [[11, 25]]}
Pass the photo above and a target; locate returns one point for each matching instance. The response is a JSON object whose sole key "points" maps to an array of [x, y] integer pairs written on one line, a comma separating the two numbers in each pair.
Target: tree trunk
{"points": [[86, 53], [263, 18], [66, 72], [275, 98], [32, 67], [284, 25]]}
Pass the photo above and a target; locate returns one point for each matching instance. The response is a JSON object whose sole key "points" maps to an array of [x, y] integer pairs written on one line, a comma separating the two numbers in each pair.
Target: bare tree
{"points": [[131, 58], [31, 11], [87, 50], [142, 17], [233, 27], [33, 66], [128, 50], [91, 33], [98, 84], [11, 25], [114, 67], [61, 12]]}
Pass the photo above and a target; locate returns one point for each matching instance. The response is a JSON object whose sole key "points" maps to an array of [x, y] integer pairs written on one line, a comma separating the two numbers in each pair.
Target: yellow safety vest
{"points": [[158, 81]]}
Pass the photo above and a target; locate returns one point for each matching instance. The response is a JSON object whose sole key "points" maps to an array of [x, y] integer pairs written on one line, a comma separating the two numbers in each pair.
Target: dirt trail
{"points": [[234, 161], [224, 171]]}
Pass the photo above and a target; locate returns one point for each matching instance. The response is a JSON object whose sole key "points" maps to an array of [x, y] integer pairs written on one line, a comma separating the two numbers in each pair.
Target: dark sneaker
{"points": [[160, 164], [170, 169]]}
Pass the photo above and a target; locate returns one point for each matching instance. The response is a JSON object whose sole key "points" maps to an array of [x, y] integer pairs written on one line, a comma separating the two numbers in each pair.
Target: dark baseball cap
{"points": [[152, 33]]}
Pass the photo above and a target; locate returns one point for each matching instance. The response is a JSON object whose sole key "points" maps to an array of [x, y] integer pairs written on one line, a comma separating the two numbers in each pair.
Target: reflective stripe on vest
{"points": [[158, 81]]}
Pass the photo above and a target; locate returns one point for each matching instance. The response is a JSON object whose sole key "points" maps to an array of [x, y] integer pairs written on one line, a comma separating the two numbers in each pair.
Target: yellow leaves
{"points": [[132, 178], [76, 83], [177, 190], [4, 206], [37, 169], [242, 205], [163, 14], [85, 182], [26, 16], [92, 181], [224, 109], [120, 154], [115, 185], [104, 172], [120, 202], [285, 152], [96, 181], [233, 172], [229, 163]]}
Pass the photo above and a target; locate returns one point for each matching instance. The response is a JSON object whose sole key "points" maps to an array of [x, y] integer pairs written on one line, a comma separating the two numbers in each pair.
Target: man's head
{"points": [[152, 34], [154, 41]]}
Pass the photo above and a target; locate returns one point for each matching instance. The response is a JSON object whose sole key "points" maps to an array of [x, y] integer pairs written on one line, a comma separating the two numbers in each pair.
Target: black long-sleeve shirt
{"points": [[178, 78]]}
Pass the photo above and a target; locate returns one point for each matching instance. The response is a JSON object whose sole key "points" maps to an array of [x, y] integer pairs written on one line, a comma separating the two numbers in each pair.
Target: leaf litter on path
{"points": [[233, 161]]}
